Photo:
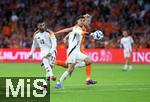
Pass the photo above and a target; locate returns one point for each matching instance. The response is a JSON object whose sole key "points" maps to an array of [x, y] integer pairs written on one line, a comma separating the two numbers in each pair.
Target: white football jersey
{"points": [[127, 43], [44, 41], [75, 39]]}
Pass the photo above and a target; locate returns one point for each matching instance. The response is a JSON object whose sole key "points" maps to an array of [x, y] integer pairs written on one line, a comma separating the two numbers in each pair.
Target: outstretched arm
{"points": [[34, 44], [121, 44], [66, 30], [53, 41], [66, 37]]}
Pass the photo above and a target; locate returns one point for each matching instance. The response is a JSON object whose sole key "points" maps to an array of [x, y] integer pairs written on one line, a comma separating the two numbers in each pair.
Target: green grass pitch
{"points": [[114, 85]]}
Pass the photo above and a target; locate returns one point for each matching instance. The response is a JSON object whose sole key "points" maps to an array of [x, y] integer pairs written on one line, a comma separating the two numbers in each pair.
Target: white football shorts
{"points": [[127, 53], [49, 60]]}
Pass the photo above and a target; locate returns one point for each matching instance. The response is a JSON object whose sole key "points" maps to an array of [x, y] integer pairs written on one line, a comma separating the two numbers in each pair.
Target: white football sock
{"points": [[47, 67], [125, 66], [88, 79], [48, 75], [130, 67], [49, 72], [80, 64], [64, 76]]}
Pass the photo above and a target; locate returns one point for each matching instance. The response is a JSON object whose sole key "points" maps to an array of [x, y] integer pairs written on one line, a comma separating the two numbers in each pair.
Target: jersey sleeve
{"points": [[53, 41], [131, 39], [121, 43], [34, 45], [77, 30]]}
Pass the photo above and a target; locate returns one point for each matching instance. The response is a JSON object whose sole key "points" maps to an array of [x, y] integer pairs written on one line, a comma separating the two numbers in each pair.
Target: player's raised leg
{"points": [[61, 63], [89, 81], [86, 62], [64, 76], [48, 68]]}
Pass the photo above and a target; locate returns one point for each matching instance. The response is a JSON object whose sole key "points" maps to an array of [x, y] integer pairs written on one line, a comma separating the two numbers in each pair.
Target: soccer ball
{"points": [[98, 35]]}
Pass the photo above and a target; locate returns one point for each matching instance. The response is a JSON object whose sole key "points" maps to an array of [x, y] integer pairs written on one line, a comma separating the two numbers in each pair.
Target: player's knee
{"points": [[88, 62], [70, 68], [47, 69]]}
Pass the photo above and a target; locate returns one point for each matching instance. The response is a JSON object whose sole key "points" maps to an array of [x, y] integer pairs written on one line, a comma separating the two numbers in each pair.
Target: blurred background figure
{"points": [[18, 19]]}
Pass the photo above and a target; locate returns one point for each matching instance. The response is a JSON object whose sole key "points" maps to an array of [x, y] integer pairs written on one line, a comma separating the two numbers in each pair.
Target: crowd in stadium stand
{"points": [[18, 20]]}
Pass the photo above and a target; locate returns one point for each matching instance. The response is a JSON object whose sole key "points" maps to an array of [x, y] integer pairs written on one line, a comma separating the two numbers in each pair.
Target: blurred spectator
{"points": [[18, 20], [6, 30]]}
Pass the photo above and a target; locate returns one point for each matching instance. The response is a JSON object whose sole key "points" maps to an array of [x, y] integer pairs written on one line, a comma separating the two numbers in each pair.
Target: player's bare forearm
{"points": [[121, 46], [66, 30], [65, 38], [51, 33], [32, 49]]}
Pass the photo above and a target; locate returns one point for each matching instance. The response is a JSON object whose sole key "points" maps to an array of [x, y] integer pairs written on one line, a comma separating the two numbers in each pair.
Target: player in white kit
{"points": [[46, 41], [74, 51], [126, 44]]}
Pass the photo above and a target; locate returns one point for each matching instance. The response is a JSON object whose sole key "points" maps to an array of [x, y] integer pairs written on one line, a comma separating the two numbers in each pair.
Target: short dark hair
{"points": [[124, 29], [81, 16], [40, 21]]}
